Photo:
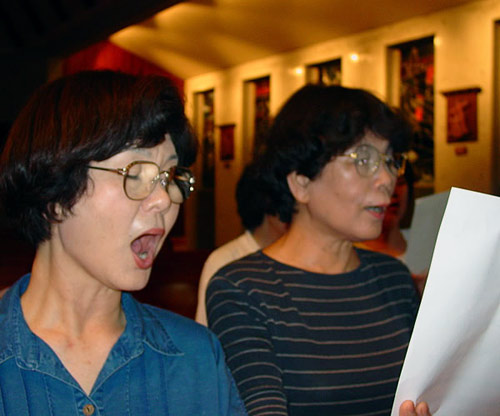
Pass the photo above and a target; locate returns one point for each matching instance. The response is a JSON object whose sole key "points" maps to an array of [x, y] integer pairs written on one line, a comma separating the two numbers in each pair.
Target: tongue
{"points": [[144, 243]]}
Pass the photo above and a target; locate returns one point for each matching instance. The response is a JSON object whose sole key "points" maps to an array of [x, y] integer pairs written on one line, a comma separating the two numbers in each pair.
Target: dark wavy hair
{"points": [[253, 197], [317, 123], [67, 123]]}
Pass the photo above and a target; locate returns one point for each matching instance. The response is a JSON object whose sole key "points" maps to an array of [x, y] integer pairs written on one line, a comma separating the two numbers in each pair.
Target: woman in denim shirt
{"points": [[93, 174]]}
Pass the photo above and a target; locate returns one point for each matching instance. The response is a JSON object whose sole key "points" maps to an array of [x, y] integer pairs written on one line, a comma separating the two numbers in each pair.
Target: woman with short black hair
{"points": [[311, 325], [93, 174]]}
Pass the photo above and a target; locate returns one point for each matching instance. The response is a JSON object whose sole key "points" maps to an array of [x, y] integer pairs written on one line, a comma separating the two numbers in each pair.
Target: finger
{"points": [[423, 409], [407, 408]]}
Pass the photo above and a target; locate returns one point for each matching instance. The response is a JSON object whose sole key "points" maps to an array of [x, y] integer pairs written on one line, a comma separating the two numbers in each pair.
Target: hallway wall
{"points": [[464, 57]]}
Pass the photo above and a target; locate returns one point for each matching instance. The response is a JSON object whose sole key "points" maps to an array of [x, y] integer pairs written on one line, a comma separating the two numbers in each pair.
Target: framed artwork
{"points": [[325, 73], [416, 100], [208, 141], [462, 115], [227, 142], [262, 119]]}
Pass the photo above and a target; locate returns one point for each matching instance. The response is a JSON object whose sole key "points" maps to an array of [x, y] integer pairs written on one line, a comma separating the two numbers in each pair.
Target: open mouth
{"points": [[379, 210], [145, 246]]}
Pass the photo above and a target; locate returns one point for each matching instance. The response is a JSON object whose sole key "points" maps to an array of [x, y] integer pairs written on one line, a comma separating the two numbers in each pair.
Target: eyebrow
{"points": [[147, 152]]}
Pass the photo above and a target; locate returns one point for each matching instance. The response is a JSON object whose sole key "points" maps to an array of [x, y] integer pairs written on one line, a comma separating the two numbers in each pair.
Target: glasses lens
{"points": [[142, 177], [399, 163], [183, 181], [140, 180], [396, 163], [170, 185], [367, 160]]}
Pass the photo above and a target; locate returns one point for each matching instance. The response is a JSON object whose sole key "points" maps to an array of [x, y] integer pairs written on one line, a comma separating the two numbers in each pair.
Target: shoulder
{"points": [[390, 273], [255, 266], [245, 281], [380, 260], [10, 308], [233, 250], [388, 270], [186, 335], [10, 297]]}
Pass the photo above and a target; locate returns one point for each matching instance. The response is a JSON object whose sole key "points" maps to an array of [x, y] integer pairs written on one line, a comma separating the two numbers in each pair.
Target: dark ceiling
{"points": [[48, 28]]}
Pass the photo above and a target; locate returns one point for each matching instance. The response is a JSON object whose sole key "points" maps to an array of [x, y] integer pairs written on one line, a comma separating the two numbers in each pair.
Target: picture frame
{"points": [[461, 115], [226, 142]]}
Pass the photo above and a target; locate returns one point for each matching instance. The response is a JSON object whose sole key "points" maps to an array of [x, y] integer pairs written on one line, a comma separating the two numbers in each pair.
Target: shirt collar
{"points": [[143, 327], [146, 326]]}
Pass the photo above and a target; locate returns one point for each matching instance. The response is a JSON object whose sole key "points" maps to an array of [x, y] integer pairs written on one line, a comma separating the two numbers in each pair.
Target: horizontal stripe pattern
{"points": [[306, 344]]}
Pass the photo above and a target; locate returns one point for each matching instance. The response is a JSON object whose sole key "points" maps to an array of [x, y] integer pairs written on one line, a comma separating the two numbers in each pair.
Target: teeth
{"points": [[376, 209], [143, 255]]}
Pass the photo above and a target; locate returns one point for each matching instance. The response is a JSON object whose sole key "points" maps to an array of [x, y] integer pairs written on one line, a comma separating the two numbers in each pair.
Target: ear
{"points": [[299, 186], [58, 212]]}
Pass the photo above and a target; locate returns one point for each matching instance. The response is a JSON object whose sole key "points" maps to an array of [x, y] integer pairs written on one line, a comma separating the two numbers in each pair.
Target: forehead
{"points": [[379, 142], [161, 153]]}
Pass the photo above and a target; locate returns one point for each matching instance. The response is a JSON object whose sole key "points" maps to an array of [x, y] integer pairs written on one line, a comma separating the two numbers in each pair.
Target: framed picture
{"points": [[227, 142], [462, 115]]}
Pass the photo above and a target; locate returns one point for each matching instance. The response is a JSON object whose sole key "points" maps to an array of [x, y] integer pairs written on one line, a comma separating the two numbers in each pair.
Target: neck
{"points": [[60, 299], [269, 230], [314, 252], [263, 235], [391, 241]]}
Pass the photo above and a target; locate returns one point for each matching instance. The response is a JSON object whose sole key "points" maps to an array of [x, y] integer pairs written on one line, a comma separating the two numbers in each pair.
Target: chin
{"points": [[373, 235], [138, 282]]}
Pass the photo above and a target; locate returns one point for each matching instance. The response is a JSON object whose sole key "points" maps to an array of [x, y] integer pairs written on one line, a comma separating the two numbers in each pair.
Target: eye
{"points": [[364, 155], [362, 160], [133, 177]]}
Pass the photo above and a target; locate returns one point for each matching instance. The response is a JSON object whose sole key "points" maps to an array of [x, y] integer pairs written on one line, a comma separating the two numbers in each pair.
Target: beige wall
{"points": [[464, 57]]}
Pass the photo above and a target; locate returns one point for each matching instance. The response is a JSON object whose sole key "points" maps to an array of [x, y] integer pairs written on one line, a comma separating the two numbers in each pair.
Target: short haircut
{"points": [[253, 197], [66, 124], [317, 123]]}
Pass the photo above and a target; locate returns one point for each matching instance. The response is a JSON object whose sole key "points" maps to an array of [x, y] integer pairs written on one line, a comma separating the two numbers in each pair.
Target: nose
{"points": [[385, 179], [159, 199]]}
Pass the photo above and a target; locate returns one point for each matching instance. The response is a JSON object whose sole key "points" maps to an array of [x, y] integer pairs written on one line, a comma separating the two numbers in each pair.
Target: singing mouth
{"points": [[145, 247], [377, 209]]}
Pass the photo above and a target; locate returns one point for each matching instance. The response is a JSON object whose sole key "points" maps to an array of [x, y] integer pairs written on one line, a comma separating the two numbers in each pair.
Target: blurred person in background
{"points": [[262, 227]]}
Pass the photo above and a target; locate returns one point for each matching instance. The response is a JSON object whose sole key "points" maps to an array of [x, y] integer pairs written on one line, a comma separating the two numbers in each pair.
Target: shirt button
{"points": [[88, 410]]}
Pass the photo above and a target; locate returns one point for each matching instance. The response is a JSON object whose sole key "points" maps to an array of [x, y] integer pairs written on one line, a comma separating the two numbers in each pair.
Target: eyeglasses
{"points": [[367, 160], [140, 178]]}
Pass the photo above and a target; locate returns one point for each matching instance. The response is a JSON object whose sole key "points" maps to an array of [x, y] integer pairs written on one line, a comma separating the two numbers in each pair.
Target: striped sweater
{"points": [[302, 343]]}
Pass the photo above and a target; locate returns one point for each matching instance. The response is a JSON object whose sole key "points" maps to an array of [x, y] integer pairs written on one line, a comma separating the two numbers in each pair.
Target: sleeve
{"points": [[412, 293], [207, 272], [240, 326], [230, 401]]}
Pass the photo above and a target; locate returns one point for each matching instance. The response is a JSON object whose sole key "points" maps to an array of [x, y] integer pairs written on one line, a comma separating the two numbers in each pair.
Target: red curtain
{"points": [[106, 55]]}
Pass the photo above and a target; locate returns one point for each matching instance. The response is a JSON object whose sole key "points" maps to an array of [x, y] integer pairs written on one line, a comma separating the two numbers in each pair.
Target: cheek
{"points": [[104, 213], [170, 217]]}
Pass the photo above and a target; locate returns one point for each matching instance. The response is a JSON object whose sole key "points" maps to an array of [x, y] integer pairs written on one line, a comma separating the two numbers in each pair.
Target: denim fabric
{"points": [[162, 364]]}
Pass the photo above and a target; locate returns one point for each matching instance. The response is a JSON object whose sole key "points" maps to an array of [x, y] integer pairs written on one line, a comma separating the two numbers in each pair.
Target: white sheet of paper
{"points": [[453, 360], [429, 211]]}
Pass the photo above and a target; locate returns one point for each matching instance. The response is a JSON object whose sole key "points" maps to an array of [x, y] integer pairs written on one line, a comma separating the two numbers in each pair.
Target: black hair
{"points": [[67, 123], [317, 123], [253, 197]]}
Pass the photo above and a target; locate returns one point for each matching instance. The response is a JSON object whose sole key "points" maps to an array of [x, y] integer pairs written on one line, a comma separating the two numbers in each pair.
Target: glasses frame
{"points": [[387, 159], [165, 177]]}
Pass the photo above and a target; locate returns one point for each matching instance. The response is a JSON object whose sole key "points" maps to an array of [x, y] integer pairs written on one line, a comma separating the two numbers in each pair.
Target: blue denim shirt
{"points": [[163, 364]]}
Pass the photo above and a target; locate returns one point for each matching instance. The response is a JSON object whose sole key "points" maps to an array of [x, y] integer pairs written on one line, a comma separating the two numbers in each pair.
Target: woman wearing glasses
{"points": [[312, 325], [93, 174]]}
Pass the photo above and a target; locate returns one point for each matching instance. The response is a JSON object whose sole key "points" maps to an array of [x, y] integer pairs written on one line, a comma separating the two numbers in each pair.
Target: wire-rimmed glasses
{"points": [[367, 160], [141, 176]]}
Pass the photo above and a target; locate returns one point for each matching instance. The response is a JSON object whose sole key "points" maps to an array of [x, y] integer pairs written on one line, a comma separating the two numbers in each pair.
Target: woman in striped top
{"points": [[311, 325]]}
